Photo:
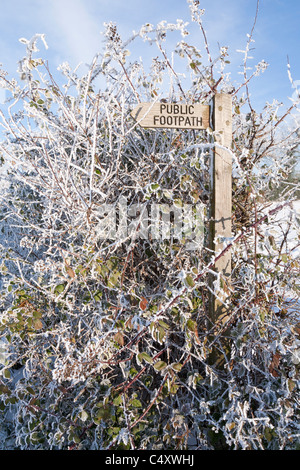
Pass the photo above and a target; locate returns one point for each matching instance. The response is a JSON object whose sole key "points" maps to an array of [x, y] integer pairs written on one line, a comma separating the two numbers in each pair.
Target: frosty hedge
{"points": [[107, 342]]}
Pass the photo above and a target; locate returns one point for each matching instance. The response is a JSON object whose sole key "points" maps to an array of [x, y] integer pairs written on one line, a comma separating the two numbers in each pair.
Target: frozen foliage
{"points": [[108, 342]]}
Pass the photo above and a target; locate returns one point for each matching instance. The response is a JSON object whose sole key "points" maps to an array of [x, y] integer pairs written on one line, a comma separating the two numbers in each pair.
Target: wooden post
{"points": [[196, 116], [221, 200]]}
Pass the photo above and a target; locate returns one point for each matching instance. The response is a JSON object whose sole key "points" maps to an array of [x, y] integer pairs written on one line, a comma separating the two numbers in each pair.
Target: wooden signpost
{"points": [[172, 115], [197, 116], [221, 199]]}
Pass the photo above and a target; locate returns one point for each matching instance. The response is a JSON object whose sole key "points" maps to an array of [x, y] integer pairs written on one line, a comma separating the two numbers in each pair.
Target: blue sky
{"points": [[73, 32]]}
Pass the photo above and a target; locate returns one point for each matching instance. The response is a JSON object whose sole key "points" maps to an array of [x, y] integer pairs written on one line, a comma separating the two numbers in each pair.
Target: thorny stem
{"points": [[151, 403]]}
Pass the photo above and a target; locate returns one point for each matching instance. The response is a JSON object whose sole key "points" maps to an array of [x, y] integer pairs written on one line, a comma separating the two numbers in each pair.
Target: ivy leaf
{"points": [[104, 413], [136, 403], [118, 400]]}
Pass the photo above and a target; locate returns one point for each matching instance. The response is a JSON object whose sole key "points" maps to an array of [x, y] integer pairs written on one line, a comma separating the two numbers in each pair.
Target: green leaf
{"points": [[163, 324], [158, 332], [132, 371], [177, 366], [154, 186], [189, 281], [268, 434], [33, 104], [191, 325], [59, 288], [174, 388], [6, 373], [98, 296], [144, 356], [37, 314], [103, 413], [178, 202], [263, 312], [161, 334], [136, 403], [5, 390], [113, 431], [118, 400], [160, 365], [34, 437], [114, 279]]}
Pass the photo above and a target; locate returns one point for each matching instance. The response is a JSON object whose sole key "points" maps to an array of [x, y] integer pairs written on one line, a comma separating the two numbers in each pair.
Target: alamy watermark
{"points": [[3, 352], [156, 221], [2, 96]]}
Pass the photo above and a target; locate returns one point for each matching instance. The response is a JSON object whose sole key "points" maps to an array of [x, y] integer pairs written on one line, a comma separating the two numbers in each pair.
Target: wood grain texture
{"points": [[172, 115], [221, 194]]}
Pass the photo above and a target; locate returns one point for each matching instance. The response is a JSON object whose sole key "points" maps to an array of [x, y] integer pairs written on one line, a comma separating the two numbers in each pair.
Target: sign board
{"points": [[172, 115], [197, 116]]}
